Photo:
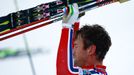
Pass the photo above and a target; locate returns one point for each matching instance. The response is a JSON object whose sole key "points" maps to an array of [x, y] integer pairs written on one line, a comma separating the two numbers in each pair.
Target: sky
{"points": [[116, 18]]}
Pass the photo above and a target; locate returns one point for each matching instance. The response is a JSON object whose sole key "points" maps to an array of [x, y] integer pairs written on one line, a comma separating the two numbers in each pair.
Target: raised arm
{"points": [[64, 62]]}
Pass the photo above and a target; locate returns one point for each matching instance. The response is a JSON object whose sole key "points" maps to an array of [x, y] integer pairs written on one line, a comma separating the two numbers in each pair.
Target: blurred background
{"points": [[118, 19]]}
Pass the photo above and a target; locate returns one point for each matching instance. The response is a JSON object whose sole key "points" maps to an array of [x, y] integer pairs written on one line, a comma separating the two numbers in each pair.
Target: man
{"points": [[91, 43], [90, 47]]}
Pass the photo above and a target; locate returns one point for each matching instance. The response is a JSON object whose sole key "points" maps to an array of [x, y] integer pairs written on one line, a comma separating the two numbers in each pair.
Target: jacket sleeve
{"points": [[64, 63]]}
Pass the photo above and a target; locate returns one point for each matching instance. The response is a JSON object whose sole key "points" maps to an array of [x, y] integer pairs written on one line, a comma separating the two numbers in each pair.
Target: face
{"points": [[80, 55]]}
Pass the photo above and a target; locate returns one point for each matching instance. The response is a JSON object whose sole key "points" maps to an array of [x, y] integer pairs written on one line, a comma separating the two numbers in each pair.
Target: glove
{"points": [[71, 14]]}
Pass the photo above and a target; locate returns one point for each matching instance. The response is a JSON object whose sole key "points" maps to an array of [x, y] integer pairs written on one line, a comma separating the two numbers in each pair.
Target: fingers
{"points": [[65, 11], [75, 5], [68, 11], [71, 13], [71, 10]]}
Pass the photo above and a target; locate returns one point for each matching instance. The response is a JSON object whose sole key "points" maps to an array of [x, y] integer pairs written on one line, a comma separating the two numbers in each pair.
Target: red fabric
{"points": [[75, 27], [62, 56], [94, 66]]}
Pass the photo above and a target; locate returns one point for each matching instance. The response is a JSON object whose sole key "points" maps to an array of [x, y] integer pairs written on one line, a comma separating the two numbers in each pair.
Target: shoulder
{"points": [[90, 72]]}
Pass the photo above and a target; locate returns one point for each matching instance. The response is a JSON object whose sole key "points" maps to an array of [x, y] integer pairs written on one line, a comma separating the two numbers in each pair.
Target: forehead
{"points": [[78, 40]]}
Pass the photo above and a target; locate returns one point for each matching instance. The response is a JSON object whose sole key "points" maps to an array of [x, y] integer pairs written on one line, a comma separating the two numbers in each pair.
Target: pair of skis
{"points": [[17, 19], [9, 52], [42, 15]]}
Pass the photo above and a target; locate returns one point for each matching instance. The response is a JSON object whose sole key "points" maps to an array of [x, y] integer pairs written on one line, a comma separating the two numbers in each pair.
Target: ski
{"points": [[50, 13], [9, 52], [30, 16]]}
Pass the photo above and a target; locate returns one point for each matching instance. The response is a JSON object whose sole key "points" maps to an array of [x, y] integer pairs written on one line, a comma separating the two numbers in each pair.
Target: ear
{"points": [[91, 50]]}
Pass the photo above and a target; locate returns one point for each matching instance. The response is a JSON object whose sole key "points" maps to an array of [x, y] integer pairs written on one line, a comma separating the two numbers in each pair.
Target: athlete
{"points": [[81, 51]]}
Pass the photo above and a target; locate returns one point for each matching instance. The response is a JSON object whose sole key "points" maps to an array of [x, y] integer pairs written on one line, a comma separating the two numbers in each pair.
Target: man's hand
{"points": [[70, 16]]}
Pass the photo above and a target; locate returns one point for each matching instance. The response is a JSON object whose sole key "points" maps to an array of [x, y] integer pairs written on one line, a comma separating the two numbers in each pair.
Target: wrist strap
{"points": [[66, 25]]}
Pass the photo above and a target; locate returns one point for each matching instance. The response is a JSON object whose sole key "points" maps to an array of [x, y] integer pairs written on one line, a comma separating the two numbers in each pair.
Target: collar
{"points": [[98, 68], [94, 66]]}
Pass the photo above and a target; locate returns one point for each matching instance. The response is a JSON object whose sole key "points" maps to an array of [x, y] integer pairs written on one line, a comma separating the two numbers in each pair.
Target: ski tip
{"points": [[122, 1], [81, 14]]}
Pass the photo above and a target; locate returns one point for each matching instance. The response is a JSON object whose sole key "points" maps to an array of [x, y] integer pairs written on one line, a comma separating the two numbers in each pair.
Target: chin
{"points": [[75, 64]]}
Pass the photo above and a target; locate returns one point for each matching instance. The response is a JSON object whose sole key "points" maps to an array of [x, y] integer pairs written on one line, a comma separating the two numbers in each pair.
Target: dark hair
{"points": [[96, 35]]}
